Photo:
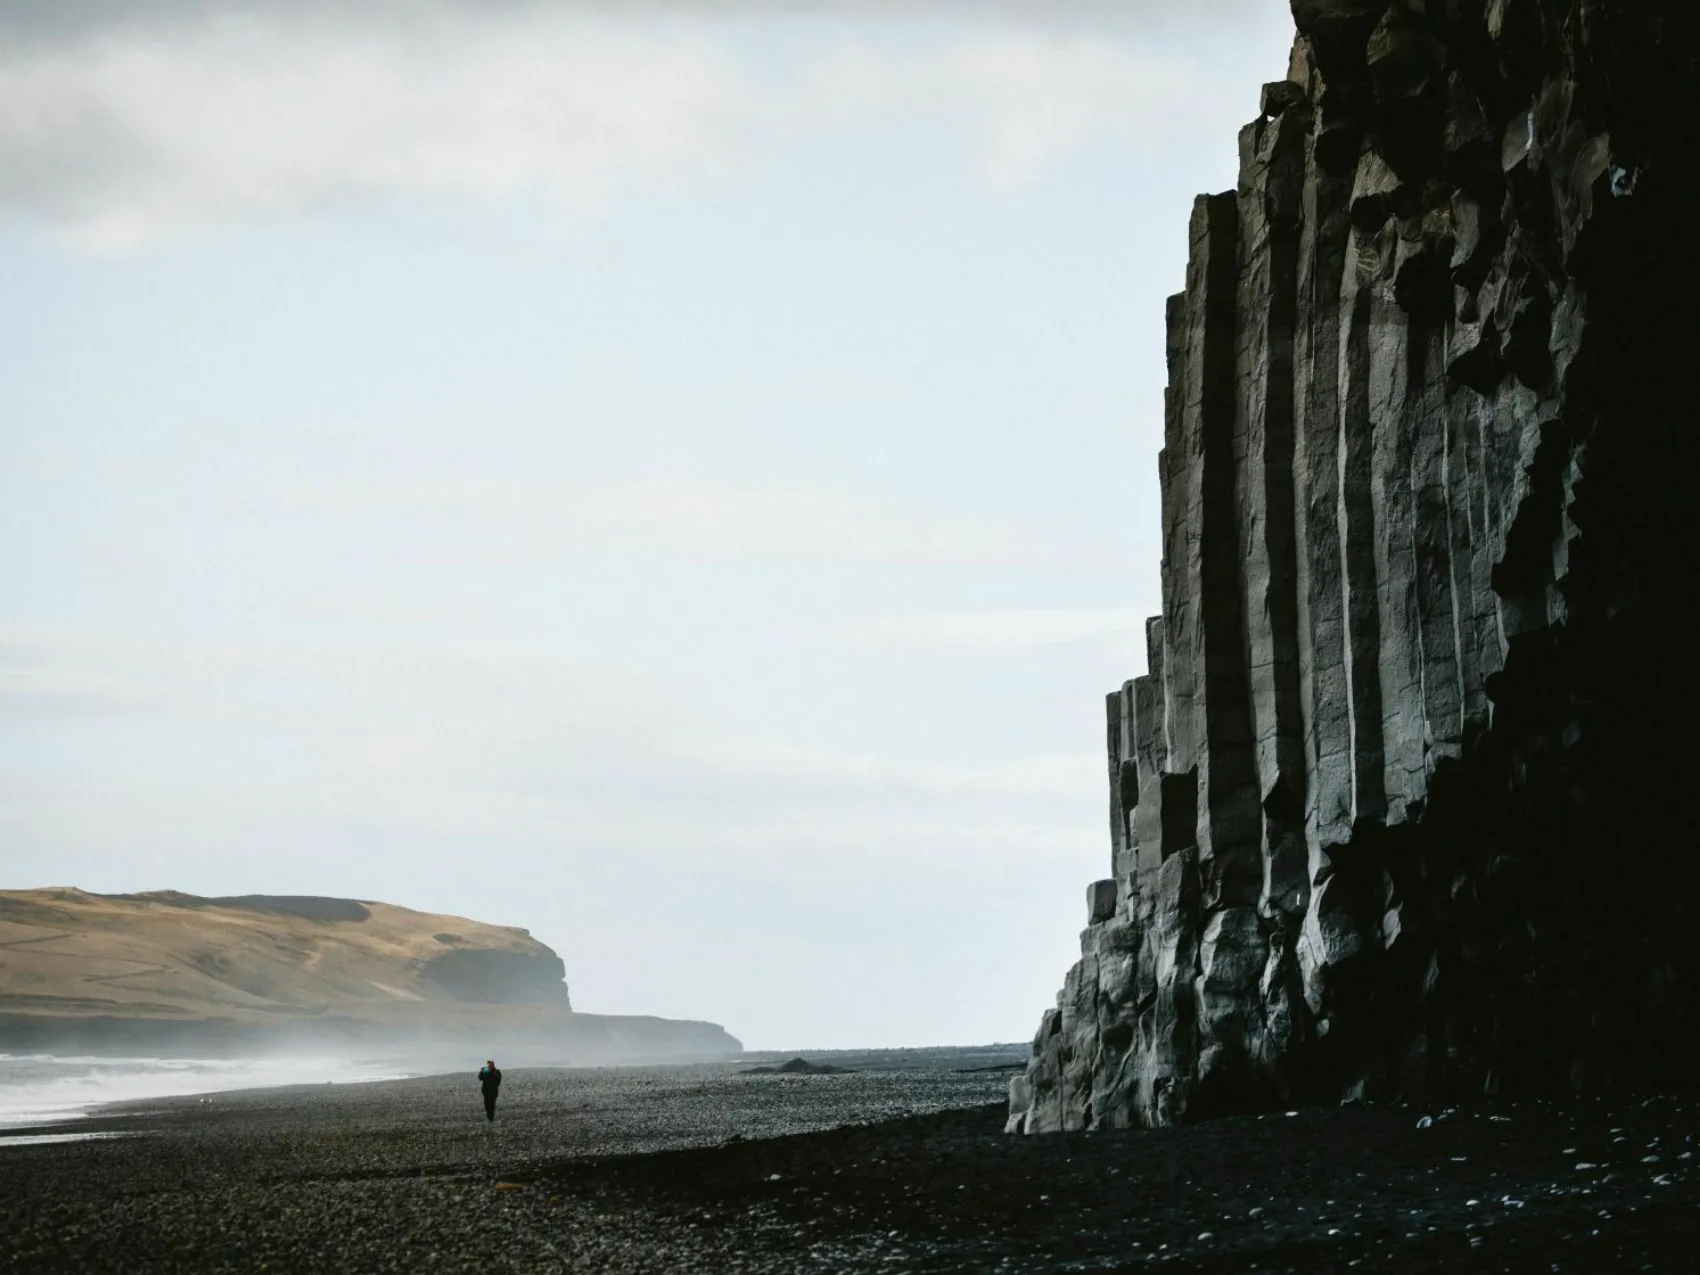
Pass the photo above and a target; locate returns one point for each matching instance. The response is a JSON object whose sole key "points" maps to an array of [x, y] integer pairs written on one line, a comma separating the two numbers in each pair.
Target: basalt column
{"points": [[1399, 806]]}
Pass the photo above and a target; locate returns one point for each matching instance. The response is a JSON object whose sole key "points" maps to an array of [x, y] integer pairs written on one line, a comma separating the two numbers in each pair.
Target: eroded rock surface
{"points": [[1402, 803]]}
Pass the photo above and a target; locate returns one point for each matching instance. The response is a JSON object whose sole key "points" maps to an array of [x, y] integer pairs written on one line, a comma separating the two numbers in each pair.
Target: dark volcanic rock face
{"points": [[499, 978], [1402, 804]]}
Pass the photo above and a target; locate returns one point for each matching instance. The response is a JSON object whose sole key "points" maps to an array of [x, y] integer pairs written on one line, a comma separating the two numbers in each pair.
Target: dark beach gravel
{"points": [[898, 1169]]}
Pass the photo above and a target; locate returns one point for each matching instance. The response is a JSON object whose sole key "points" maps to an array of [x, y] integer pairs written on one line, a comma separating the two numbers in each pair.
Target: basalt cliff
{"points": [[166, 972], [1403, 805]]}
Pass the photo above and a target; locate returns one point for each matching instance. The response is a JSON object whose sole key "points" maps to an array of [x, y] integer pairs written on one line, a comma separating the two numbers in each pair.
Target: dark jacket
{"points": [[489, 1080]]}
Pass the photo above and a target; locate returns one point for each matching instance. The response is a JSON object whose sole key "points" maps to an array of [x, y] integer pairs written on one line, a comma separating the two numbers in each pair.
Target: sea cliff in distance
{"points": [[175, 974]]}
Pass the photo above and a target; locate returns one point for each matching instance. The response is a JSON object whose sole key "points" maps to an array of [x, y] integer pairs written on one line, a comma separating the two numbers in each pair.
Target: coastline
{"points": [[39, 1105], [712, 1169], [41, 1092], [339, 1176]]}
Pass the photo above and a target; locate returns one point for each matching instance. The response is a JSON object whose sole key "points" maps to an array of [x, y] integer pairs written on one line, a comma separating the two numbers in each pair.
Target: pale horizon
{"points": [[678, 479]]}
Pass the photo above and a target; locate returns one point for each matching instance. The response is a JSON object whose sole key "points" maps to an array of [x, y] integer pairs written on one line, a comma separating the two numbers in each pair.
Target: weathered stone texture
{"points": [[1401, 804]]}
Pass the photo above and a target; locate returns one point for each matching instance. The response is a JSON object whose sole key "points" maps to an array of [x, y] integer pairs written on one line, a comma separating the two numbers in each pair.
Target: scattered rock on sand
{"points": [[799, 1067]]}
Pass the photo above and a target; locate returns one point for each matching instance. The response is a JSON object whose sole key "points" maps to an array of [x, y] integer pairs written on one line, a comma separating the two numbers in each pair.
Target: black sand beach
{"points": [[706, 1169]]}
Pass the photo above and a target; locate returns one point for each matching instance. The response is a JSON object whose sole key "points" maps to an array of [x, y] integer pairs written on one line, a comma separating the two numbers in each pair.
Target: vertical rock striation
{"points": [[1401, 803]]}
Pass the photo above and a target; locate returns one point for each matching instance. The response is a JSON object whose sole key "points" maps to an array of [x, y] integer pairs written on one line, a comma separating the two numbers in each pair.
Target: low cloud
{"points": [[115, 130], [115, 140], [697, 520], [1022, 101], [998, 631], [243, 750], [1062, 778]]}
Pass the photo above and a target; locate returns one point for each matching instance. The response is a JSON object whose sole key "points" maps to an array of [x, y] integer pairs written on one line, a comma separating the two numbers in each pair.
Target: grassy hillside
{"points": [[170, 955], [173, 974]]}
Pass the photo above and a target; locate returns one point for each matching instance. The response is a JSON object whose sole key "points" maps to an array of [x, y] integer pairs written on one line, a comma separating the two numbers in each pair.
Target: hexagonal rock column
{"points": [[1399, 805]]}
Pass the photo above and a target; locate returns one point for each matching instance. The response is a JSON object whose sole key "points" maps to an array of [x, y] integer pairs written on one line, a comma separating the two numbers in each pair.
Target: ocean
{"points": [[40, 1089]]}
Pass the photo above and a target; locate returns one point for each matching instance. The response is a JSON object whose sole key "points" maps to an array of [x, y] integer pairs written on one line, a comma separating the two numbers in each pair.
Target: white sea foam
{"points": [[37, 1139], [38, 1089]]}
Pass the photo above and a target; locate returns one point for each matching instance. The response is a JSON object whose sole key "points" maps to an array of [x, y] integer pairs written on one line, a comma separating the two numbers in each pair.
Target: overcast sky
{"points": [[678, 478]]}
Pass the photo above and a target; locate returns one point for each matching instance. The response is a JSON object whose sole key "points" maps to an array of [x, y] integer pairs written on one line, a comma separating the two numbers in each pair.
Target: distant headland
{"points": [[171, 973]]}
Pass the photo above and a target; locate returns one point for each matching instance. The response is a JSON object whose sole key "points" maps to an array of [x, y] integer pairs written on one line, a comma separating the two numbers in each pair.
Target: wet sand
{"points": [[706, 1170]]}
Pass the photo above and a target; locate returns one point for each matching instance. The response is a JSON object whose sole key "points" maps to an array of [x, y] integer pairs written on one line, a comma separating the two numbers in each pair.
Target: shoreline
{"points": [[73, 1115], [42, 1093], [713, 1169]]}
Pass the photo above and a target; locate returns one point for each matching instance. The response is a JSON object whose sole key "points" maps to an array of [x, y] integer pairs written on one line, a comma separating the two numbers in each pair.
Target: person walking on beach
{"points": [[490, 1081]]}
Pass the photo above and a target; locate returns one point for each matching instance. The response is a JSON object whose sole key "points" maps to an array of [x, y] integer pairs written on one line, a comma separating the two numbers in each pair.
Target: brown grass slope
{"points": [[165, 955]]}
